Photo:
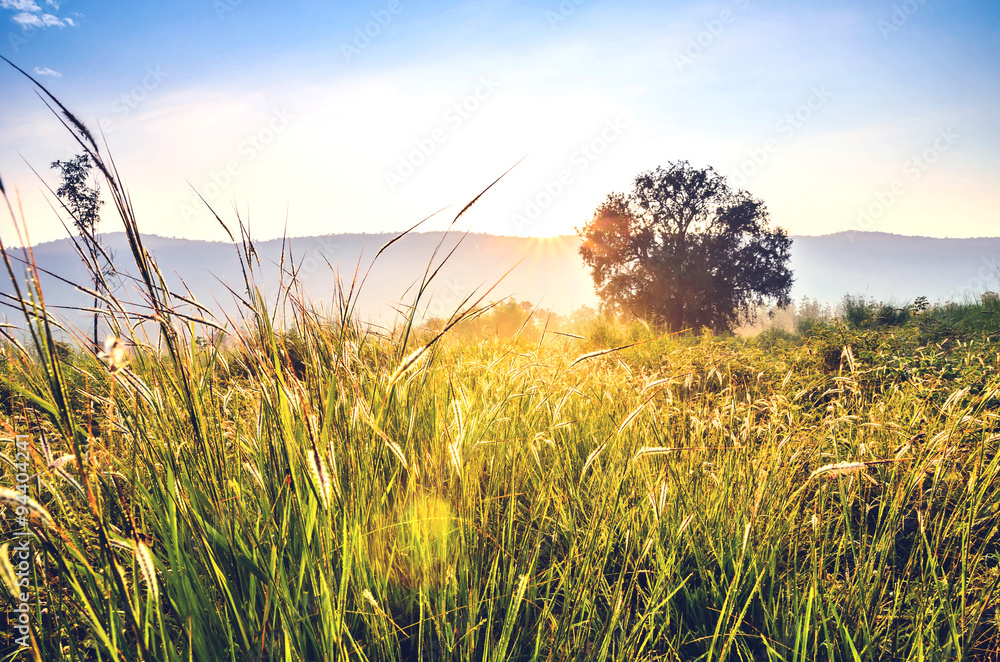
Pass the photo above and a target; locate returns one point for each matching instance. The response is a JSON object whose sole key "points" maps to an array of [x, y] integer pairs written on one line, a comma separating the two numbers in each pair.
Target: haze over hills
{"points": [[894, 267], [545, 271]]}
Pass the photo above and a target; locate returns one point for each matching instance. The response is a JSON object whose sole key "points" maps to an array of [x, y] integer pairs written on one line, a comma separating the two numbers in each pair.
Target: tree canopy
{"points": [[686, 250], [83, 202]]}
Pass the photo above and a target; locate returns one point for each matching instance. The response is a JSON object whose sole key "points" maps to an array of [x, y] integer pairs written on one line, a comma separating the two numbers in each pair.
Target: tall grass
{"points": [[339, 493]]}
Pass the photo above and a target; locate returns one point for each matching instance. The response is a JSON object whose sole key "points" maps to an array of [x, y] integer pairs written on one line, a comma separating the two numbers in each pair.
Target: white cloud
{"points": [[47, 72], [27, 20], [19, 5], [29, 14], [35, 21]]}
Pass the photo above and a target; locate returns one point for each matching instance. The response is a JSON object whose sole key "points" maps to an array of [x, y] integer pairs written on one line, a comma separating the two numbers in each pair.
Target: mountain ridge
{"points": [[546, 271]]}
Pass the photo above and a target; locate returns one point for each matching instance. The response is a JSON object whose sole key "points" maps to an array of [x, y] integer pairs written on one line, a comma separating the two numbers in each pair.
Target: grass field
{"points": [[332, 493], [320, 491]]}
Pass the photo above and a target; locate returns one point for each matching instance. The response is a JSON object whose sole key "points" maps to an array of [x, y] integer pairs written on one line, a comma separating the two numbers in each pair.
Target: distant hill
{"points": [[889, 266], [545, 271]]}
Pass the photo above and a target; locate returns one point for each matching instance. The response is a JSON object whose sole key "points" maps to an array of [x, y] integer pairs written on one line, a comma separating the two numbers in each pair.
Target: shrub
{"points": [[809, 325], [886, 314], [603, 331], [773, 337], [861, 314], [856, 311]]}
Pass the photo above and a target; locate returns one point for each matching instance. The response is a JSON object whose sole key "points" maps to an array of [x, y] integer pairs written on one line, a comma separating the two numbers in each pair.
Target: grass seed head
{"points": [[144, 560], [114, 354], [839, 469], [455, 455], [320, 476], [15, 500], [7, 573], [59, 462], [367, 595], [252, 470]]}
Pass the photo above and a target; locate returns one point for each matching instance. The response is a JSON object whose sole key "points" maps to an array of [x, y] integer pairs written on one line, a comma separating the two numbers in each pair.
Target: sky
{"points": [[314, 118]]}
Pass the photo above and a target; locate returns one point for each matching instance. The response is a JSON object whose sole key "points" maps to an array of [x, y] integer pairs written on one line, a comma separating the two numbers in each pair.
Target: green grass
{"points": [[493, 503]]}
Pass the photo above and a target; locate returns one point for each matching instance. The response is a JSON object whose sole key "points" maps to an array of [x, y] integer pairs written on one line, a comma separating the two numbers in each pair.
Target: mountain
{"points": [[544, 271], [894, 267]]}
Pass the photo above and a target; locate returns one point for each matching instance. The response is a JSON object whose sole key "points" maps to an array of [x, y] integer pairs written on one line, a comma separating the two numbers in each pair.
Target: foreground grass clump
{"points": [[711, 499]]}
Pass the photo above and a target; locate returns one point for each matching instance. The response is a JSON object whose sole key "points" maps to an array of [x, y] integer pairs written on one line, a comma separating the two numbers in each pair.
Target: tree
{"points": [[83, 202], [686, 250]]}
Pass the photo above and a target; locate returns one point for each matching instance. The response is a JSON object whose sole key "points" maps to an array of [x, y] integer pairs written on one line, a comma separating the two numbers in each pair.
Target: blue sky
{"points": [[318, 118]]}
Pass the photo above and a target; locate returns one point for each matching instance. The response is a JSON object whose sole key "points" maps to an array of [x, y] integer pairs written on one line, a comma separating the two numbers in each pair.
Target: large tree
{"points": [[685, 249]]}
